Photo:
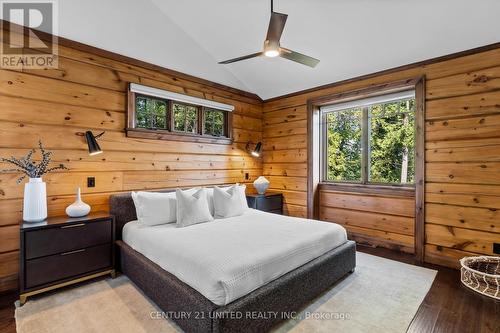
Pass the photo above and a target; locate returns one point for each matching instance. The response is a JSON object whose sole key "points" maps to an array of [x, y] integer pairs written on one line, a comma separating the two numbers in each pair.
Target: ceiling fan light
{"points": [[272, 53]]}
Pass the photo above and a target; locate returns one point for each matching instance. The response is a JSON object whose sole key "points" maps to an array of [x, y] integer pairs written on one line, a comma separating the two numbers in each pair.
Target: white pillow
{"points": [[155, 208], [210, 199], [243, 196], [192, 208], [241, 193], [227, 202]]}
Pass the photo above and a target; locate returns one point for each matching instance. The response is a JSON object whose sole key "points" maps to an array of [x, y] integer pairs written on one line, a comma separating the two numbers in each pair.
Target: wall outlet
{"points": [[247, 176], [496, 248], [90, 181]]}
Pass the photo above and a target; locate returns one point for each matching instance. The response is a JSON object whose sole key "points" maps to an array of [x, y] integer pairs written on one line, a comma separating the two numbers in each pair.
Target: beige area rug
{"points": [[381, 296]]}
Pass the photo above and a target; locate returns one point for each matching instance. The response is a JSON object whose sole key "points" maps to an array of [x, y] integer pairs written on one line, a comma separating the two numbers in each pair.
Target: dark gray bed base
{"points": [[282, 296]]}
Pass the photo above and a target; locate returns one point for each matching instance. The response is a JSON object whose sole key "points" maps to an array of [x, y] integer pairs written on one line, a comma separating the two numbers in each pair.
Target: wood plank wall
{"points": [[88, 92], [377, 220], [462, 198]]}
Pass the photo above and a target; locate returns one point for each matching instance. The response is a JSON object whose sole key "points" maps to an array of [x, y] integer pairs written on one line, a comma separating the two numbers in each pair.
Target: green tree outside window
{"points": [[390, 133]]}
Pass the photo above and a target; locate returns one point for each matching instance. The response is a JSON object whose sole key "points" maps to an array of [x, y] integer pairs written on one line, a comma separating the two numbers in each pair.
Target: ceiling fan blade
{"points": [[276, 26], [258, 54], [298, 57]]}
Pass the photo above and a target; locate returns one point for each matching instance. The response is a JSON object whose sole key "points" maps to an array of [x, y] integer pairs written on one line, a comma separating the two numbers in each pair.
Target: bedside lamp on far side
{"points": [[256, 151]]}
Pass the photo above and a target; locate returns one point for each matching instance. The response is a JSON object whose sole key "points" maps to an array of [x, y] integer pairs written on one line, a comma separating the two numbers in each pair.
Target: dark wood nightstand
{"points": [[61, 251], [271, 202]]}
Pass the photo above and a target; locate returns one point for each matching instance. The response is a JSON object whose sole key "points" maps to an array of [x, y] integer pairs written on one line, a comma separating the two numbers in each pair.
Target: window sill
{"points": [[169, 136], [374, 189]]}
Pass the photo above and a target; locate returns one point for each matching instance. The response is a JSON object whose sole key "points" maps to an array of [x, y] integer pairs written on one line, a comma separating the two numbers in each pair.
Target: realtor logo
{"points": [[29, 34]]}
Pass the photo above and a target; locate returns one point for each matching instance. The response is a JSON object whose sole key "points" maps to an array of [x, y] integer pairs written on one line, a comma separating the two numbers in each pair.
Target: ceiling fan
{"points": [[272, 46]]}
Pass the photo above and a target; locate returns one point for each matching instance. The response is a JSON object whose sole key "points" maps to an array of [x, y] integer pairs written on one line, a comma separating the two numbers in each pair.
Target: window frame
{"points": [[225, 125], [313, 159], [167, 113], [324, 153], [170, 134], [365, 148], [172, 120]]}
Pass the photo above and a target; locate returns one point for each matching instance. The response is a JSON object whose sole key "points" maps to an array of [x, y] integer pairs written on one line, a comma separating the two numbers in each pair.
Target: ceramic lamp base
{"points": [[261, 184]]}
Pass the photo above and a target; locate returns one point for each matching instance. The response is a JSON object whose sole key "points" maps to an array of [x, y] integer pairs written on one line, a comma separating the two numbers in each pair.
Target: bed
{"points": [[244, 273]]}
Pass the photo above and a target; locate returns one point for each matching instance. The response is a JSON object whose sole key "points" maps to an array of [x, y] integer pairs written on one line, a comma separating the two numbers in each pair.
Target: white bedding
{"points": [[228, 258]]}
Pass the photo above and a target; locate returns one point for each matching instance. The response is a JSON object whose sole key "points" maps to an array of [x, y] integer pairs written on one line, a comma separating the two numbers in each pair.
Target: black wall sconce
{"points": [[255, 151], [94, 148]]}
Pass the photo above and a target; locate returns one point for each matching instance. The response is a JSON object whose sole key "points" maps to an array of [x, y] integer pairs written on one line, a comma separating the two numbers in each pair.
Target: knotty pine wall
{"points": [[462, 193], [378, 220], [88, 92]]}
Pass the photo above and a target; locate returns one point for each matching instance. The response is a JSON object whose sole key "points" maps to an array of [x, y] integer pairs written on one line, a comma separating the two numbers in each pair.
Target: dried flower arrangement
{"points": [[29, 167]]}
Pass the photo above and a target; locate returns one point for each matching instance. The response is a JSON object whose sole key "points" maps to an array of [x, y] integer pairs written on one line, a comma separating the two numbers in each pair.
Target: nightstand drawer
{"points": [[44, 242], [268, 204], [68, 264]]}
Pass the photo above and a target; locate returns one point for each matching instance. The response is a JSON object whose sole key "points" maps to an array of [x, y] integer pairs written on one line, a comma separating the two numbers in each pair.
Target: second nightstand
{"points": [[268, 202]]}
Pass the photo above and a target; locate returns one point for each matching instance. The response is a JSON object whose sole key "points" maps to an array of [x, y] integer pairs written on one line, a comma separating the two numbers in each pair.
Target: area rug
{"points": [[380, 296]]}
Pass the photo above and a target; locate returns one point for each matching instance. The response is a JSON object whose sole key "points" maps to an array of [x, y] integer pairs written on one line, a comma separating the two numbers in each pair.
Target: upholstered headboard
{"points": [[122, 207]]}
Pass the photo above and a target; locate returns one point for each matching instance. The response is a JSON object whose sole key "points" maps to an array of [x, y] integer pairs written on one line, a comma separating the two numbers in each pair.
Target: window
{"points": [[151, 112], [158, 114], [392, 142], [343, 145], [214, 122], [370, 140], [185, 118]]}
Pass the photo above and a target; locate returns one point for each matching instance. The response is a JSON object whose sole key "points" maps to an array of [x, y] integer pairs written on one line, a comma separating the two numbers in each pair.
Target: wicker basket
{"points": [[482, 274]]}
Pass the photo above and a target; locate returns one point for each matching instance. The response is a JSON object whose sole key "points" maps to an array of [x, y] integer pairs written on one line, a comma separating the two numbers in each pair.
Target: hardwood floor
{"points": [[7, 322], [448, 307]]}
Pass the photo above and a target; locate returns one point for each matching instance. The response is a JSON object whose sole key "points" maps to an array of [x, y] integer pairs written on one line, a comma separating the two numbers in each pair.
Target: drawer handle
{"points": [[73, 226], [72, 252]]}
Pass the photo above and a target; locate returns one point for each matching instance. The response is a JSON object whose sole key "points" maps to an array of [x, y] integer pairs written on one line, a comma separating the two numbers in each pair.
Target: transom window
{"points": [[185, 118], [370, 140], [213, 122], [164, 118], [151, 112]]}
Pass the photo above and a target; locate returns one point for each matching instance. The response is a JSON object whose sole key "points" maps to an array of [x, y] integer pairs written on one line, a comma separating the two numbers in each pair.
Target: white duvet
{"points": [[227, 258]]}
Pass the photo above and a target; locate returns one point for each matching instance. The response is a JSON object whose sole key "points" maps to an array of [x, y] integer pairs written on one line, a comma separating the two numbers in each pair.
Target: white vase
{"points": [[35, 200], [261, 184], [78, 208]]}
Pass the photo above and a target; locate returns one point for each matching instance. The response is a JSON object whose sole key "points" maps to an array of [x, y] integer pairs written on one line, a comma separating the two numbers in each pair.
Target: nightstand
{"points": [[268, 202], [61, 251]]}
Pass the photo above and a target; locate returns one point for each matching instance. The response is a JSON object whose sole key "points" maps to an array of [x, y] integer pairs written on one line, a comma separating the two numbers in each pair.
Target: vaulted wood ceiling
{"points": [[351, 37]]}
